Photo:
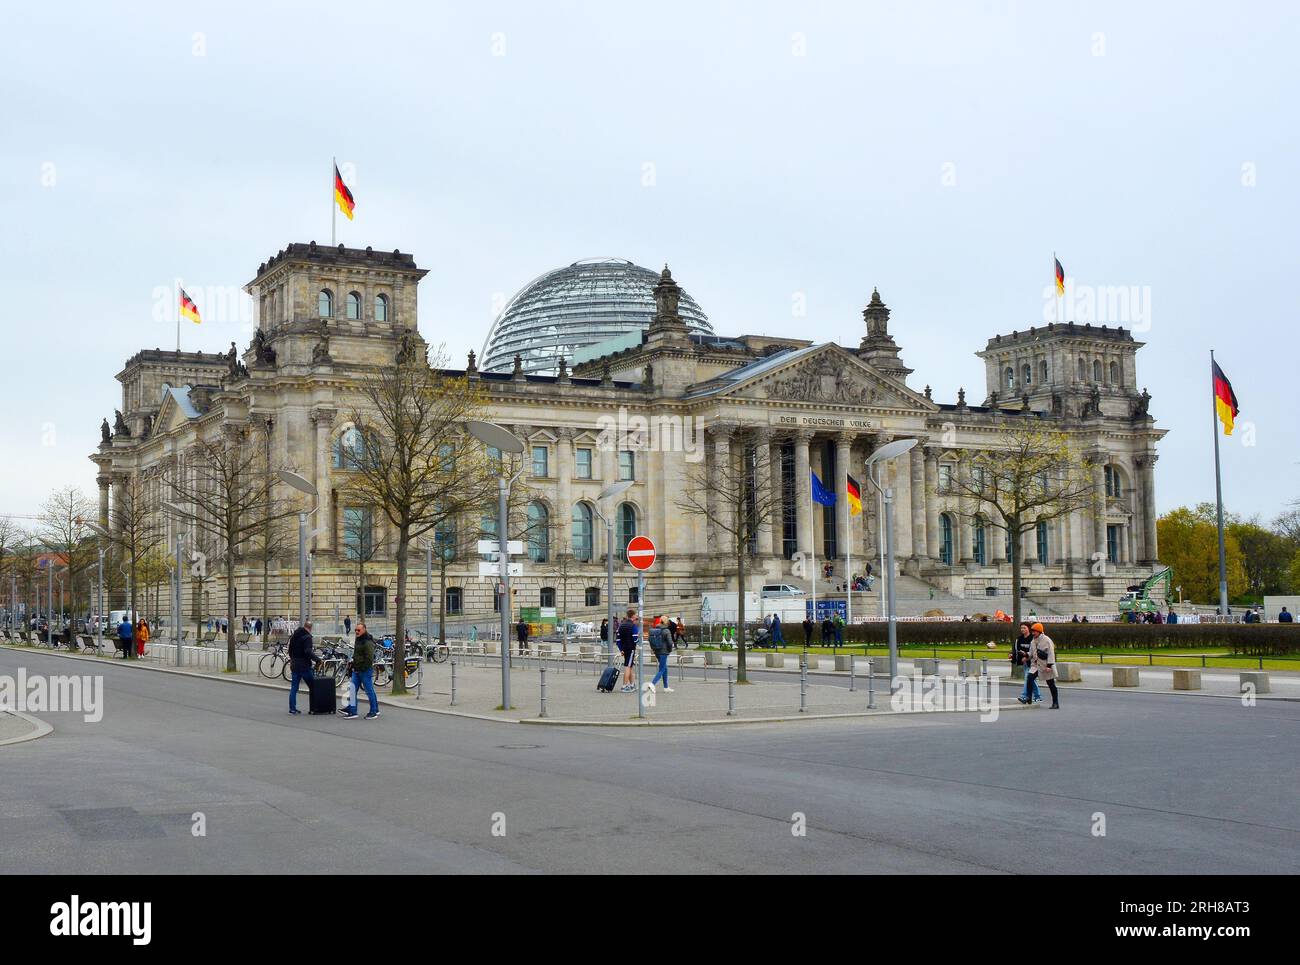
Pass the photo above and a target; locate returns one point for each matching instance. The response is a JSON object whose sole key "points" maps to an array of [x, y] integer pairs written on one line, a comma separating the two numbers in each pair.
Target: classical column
{"points": [[931, 503], [323, 421], [995, 539], [762, 465], [103, 482], [1099, 509], [803, 492], [843, 447], [564, 483], [963, 522], [1147, 467], [920, 542], [777, 482], [723, 477]]}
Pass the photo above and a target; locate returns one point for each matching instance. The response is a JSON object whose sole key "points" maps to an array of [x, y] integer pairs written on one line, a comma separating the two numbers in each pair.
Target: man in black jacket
{"points": [[301, 660]]}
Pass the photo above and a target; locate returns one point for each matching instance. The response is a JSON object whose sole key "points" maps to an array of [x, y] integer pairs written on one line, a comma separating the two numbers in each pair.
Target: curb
{"points": [[41, 728]]}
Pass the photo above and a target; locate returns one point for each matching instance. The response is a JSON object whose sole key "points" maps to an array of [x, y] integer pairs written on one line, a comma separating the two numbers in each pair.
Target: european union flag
{"points": [[820, 493]]}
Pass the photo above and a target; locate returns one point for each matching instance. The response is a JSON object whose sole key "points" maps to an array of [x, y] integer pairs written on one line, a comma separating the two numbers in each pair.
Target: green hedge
{"points": [[1251, 639]]}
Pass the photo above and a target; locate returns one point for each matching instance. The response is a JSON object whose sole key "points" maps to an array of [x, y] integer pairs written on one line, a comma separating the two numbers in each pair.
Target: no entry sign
{"points": [[641, 552]]}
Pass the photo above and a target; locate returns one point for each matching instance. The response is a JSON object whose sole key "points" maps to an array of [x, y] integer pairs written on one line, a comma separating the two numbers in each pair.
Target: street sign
{"points": [[641, 552], [491, 547], [494, 569]]}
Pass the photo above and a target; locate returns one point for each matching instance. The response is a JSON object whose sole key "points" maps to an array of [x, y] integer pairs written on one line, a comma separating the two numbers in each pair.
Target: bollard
{"points": [[871, 685], [640, 681], [731, 691], [803, 686], [984, 666], [853, 665], [453, 681], [541, 672]]}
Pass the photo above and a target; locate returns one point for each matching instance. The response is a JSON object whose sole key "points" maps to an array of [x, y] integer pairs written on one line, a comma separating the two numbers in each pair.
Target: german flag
{"points": [[855, 497], [1060, 277], [189, 309], [1225, 400], [342, 196]]}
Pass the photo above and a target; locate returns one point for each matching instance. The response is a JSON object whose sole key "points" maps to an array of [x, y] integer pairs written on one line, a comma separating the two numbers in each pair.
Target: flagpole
{"points": [[176, 307], [812, 541], [848, 562], [1059, 295], [334, 207], [1218, 492]]}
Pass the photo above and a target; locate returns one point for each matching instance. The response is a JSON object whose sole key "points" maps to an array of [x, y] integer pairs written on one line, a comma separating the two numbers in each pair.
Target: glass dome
{"points": [[571, 308]]}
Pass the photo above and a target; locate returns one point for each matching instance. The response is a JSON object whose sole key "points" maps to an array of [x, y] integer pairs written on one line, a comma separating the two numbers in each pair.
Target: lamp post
{"points": [[505, 441], [609, 492], [303, 485], [885, 453]]}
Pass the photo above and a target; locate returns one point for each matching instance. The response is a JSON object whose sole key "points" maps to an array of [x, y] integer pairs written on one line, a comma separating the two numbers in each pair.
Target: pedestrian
{"points": [[301, 660], [126, 636], [661, 642], [347, 625], [838, 625], [828, 631], [257, 627], [1283, 617], [363, 674], [521, 631], [778, 639], [141, 637], [627, 639], [1043, 660], [1020, 658], [679, 632], [807, 631]]}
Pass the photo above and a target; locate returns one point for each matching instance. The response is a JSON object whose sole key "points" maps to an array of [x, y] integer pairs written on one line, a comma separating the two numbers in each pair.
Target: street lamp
{"points": [[891, 450], [609, 492], [503, 440], [303, 485]]}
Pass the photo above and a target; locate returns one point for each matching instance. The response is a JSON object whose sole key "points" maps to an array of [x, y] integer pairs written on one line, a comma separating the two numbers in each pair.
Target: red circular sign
{"points": [[641, 552]]}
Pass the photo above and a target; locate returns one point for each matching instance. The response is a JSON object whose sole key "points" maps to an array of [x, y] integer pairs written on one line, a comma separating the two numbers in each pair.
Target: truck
{"points": [[1141, 599]]}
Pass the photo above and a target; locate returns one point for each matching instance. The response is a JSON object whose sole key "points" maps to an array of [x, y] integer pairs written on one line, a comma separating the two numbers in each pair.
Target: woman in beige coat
{"points": [[1042, 661]]}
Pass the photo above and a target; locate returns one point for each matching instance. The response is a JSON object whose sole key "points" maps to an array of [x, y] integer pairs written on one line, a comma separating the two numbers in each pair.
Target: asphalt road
{"points": [[1186, 785]]}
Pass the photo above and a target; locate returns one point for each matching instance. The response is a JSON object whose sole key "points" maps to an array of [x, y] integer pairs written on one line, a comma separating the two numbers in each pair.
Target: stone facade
{"points": [[655, 413]]}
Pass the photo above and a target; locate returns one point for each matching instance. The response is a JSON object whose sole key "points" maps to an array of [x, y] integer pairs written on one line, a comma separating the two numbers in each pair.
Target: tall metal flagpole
{"points": [[1218, 492], [334, 206], [176, 307], [813, 543], [1059, 294]]}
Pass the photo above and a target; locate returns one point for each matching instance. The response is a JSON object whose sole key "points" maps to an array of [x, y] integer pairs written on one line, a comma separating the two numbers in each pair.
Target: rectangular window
{"points": [[582, 463], [455, 602], [358, 533], [373, 602], [945, 477], [626, 464], [539, 462], [1112, 543]]}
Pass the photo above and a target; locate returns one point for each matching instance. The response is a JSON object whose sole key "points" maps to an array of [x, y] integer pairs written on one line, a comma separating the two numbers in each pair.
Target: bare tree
{"points": [[1032, 475], [410, 462], [223, 491], [734, 495], [11, 537], [565, 566], [63, 530], [136, 529]]}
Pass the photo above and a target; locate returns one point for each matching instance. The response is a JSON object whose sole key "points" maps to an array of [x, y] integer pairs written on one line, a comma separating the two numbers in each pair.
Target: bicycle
{"points": [[274, 664], [383, 672]]}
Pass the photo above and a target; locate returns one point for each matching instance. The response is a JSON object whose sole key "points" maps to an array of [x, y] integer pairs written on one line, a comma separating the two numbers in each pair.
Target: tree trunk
{"points": [[231, 666], [1013, 528], [399, 630], [133, 615], [741, 678], [442, 598]]}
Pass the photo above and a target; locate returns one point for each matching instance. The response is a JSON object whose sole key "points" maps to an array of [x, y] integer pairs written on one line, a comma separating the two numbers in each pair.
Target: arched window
{"points": [[1006, 534], [546, 597], [539, 533], [626, 528], [354, 305], [1096, 370], [487, 527], [1040, 531], [1010, 375], [1083, 371], [582, 532], [349, 449], [325, 303], [945, 539], [1114, 373], [381, 308], [444, 538], [1042, 372], [980, 549], [1027, 373], [1113, 487], [591, 596], [455, 601]]}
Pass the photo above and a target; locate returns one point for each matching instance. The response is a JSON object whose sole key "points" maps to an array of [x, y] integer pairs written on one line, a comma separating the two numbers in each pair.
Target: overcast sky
{"points": [[780, 157]]}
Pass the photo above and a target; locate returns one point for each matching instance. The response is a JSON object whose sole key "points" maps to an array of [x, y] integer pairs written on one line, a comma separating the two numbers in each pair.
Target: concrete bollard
{"points": [[490, 647], [774, 660], [586, 651], [1254, 678], [1124, 677], [812, 661], [713, 658], [844, 661], [1069, 673], [546, 649], [1187, 680], [925, 666]]}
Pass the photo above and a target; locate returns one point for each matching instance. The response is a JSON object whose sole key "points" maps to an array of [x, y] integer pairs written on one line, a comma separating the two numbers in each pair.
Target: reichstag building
{"points": [[586, 363]]}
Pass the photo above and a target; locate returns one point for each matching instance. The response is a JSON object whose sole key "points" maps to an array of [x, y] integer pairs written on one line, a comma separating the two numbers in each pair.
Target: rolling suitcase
{"points": [[608, 678], [322, 695]]}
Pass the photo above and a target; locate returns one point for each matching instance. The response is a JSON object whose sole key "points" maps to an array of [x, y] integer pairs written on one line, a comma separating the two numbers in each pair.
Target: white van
{"points": [[781, 589]]}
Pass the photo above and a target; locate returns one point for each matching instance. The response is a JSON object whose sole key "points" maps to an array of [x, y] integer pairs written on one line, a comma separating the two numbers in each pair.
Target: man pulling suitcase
{"points": [[301, 660]]}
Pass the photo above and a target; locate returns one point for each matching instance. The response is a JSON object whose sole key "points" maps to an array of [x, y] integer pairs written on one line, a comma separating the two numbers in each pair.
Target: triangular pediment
{"points": [[172, 413], [823, 375]]}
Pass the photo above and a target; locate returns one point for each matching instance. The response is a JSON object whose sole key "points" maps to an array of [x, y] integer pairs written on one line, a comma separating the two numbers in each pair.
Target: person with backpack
{"points": [[302, 658], [661, 642], [363, 674], [627, 638]]}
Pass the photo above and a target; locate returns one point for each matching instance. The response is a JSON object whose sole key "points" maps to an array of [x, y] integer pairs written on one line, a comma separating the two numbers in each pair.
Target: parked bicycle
{"points": [[383, 671], [275, 663]]}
